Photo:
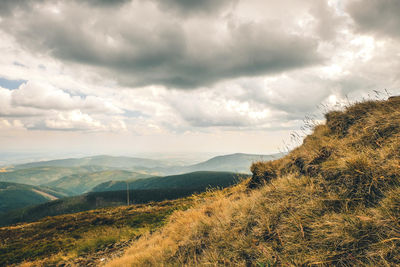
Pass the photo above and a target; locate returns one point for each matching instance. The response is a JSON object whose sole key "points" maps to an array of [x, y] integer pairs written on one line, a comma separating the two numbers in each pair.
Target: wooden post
{"points": [[127, 193]]}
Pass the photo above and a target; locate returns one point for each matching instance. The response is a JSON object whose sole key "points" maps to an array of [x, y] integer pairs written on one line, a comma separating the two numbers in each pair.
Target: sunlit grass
{"points": [[334, 201]]}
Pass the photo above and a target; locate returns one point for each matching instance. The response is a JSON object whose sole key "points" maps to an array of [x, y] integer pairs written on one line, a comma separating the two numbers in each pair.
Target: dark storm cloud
{"points": [[163, 50], [8, 6], [194, 6], [376, 16], [181, 6], [105, 2]]}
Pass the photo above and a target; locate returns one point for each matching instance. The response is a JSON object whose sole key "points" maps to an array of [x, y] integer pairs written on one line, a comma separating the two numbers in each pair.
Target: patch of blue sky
{"points": [[10, 84], [134, 114]]}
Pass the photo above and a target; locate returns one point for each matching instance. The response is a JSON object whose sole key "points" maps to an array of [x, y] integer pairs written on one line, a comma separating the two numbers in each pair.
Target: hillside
{"points": [[238, 163], [333, 201], [83, 182], [85, 238], [188, 180], [42, 174], [142, 191], [15, 196], [92, 201]]}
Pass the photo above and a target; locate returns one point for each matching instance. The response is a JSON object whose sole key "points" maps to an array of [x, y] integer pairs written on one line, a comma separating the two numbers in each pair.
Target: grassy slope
{"points": [[15, 196], [187, 180], [83, 182], [67, 237], [335, 200]]}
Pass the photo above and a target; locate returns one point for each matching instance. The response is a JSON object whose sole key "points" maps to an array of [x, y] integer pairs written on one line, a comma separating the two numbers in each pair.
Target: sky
{"points": [[186, 76]]}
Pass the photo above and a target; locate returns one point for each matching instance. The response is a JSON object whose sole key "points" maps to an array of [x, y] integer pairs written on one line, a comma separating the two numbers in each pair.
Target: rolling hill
{"points": [[92, 201], [83, 182], [114, 194], [203, 179], [15, 196], [42, 174]]}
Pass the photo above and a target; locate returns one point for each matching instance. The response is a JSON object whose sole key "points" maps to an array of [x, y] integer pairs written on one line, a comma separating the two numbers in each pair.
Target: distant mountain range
{"points": [[38, 182], [45, 172], [124, 163]]}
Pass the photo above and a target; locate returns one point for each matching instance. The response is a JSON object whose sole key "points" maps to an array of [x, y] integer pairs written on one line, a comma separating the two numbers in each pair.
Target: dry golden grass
{"points": [[335, 200], [66, 237]]}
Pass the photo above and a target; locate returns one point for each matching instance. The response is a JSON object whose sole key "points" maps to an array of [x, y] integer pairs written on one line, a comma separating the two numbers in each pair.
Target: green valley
{"points": [[83, 182]]}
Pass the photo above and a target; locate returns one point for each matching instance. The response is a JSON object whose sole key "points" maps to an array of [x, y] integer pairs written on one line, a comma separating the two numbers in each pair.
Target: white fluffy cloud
{"points": [[73, 120], [14, 124], [43, 106], [47, 97]]}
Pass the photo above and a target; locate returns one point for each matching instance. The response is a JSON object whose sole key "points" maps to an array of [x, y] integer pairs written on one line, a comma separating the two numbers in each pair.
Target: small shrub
{"points": [[263, 172], [95, 244]]}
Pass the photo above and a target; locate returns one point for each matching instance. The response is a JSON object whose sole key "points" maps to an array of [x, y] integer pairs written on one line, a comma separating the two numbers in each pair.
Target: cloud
{"points": [[166, 50], [76, 120], [13, 124], [7, 109], [45, 107], [73, 120], [8, 7], [379, 17], [47, 97], [328, 22], [226, 108], [194, 6], [43, 96]]}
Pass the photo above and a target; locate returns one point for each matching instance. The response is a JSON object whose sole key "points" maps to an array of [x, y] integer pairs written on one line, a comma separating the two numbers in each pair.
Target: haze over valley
{"points": [[38, 182]]}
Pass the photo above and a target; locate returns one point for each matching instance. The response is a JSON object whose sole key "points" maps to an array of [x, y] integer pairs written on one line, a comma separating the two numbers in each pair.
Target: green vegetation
{"points": [[113, 194], [65, 237], [15, 196], [91, 201], [83, 182], [201, 180], [333, 201], [43, 174]]}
